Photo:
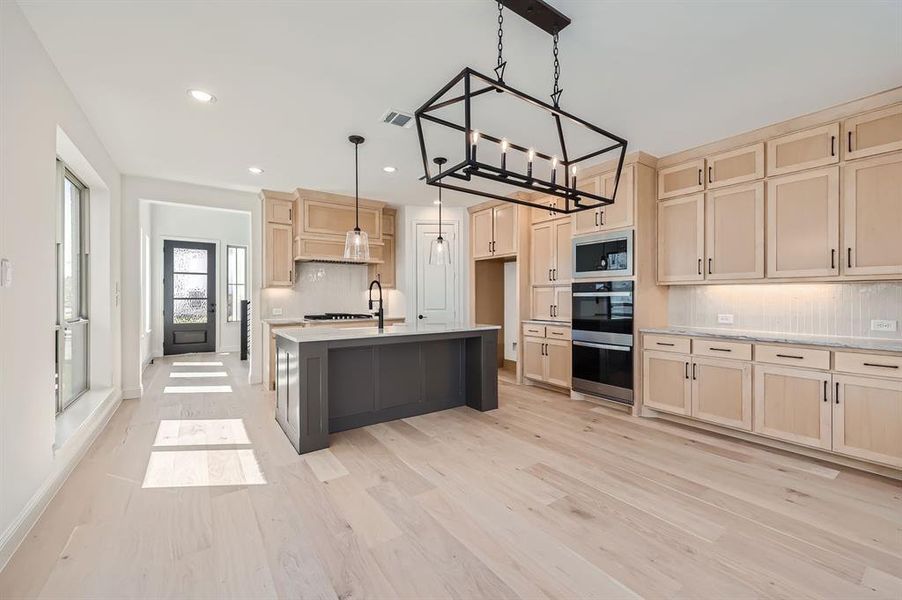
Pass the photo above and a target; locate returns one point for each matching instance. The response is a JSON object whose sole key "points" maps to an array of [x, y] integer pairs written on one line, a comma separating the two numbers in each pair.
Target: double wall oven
{"points": [[603, 339]]}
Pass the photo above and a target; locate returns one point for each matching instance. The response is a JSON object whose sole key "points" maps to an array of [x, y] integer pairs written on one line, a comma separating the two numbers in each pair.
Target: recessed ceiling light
{"points": [[255, 170], [389, 169], [202, 96]]}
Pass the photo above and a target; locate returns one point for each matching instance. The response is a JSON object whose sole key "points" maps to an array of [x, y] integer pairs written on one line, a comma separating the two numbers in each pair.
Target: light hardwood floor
{"points": [[544, 498]]}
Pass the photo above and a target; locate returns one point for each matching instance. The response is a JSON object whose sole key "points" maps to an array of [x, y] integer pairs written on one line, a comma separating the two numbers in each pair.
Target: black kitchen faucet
{"points": [[381, 312]]}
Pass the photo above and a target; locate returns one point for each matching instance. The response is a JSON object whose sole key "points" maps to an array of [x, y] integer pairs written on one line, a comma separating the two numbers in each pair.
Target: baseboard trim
{"points": [[132, 393], [64, 462]]}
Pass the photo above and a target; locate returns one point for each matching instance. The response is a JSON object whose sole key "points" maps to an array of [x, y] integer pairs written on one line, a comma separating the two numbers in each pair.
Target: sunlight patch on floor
{"points": [[197, 389], [198, 374], [200, 468], [185, 363], [201, 432]]}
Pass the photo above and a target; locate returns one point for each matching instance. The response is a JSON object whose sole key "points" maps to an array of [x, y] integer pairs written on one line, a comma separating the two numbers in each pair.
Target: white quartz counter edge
{"points": [[325, 334], [781, 338], [294, 320]]}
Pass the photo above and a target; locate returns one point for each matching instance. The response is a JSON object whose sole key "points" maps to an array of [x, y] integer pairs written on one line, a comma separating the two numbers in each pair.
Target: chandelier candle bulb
{"points": [[473, 142], [553, 169], [573, 177], [504, 145], [531, 155]]}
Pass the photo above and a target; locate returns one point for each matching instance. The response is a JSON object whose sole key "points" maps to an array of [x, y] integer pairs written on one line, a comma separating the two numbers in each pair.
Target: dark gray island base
{"points": [[330, 380]]}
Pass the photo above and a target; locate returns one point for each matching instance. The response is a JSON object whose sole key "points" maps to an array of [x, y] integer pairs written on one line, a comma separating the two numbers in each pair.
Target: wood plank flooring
{"points": [[200, 495]]}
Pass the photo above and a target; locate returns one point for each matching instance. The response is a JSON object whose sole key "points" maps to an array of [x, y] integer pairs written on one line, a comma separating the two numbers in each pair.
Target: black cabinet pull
{"points": [[849, 258], [699, 176], [687, 370], [710, 272], [699, 266], [836, 397], [663, 344], [825, 390], [694, 374], [710, 176], [832, 145], [554, 274], [850, 141], [601, 212], [881, 366], [832, 258], [791, 356], [712, 348], [596, 219], [549, 274]]}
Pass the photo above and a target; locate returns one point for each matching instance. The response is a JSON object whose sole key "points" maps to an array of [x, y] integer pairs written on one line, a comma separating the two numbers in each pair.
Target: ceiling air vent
{"points": [[396, 117]]}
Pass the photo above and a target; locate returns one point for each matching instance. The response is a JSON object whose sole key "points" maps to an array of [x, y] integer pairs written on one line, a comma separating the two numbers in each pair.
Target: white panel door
{"points": [[437, 285]]}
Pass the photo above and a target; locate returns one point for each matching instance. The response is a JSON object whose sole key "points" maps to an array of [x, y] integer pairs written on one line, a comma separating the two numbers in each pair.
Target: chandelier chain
{"points": [[557, 69], [500, 33]]}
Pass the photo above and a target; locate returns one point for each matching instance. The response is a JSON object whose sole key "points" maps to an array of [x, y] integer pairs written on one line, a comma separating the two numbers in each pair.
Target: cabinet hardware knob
{"points": [[881, 366], [832, 145]]}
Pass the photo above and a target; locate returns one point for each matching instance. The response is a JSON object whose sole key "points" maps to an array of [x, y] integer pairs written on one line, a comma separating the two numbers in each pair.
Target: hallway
{"points": [[199, 495]]}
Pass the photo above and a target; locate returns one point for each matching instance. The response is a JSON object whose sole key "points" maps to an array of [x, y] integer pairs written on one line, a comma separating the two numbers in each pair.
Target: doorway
{"points": [[189, 297], [437, 296]]}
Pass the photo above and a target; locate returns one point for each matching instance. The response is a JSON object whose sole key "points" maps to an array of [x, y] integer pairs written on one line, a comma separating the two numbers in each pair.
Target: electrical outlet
{"points": [[881, 325], [277, 312], [725, 319]]}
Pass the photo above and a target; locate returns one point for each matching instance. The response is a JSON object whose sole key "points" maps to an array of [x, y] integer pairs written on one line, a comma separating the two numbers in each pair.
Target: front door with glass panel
{"points": [[189, 297]]}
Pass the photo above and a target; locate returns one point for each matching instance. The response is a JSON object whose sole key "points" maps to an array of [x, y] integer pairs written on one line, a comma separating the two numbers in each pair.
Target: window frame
{"points": [[230, 284]]}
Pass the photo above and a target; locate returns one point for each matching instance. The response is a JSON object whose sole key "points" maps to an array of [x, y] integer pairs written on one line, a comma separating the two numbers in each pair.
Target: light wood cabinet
{"points": [[335, 217], [384, 273], [547, 359], [685, 178], [666, 384], [872, 216], [563, 308], [279, 211], [722, 392], [494, 231], [539, 215], [735, 166], [803, 224], [279, 258], [681, 239], [794, 405], [734, 233], [817, 147], [550, 252], [873, 133], [587, 221], [867, 418], [618, 215], [551, 303]]}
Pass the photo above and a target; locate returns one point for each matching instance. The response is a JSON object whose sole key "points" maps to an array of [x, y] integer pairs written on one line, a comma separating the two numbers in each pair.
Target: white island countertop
{"points": [[879, 344], [325, 334]]}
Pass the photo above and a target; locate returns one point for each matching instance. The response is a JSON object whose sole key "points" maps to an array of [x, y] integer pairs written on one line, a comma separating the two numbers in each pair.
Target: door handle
{"points": [[212, 307], [420, 317], [604, 346]]}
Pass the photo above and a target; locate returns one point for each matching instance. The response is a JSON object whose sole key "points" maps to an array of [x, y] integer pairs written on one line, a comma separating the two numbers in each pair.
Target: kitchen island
{"points": [[330, 380]]}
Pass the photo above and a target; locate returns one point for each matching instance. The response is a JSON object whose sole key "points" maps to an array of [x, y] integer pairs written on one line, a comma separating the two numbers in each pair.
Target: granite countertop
{"points": [[293, 320], [887, 345], [541, 322], [325, 334]]}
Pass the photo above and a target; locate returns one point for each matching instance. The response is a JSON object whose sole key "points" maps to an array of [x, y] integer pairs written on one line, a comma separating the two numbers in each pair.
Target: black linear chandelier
{"points": [[490, 166]]}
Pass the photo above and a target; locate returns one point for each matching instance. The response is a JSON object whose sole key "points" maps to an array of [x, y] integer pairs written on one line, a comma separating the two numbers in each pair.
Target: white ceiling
{"points": [[293, 79]]}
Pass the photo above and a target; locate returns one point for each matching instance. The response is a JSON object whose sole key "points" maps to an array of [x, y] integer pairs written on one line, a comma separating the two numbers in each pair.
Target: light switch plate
{"points": [[881, 325], [725, 319], [277, 312]]}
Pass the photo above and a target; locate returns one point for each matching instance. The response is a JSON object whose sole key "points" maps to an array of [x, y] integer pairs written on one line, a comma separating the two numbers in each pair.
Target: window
{"points": [[236, 281], [72, 289], [145, 250]]}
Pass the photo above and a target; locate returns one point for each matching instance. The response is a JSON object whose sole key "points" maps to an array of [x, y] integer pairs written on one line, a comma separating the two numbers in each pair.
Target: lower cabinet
{"points": [[794, 405], [722, 392], [548, 359], [867, 418], [666, 384], [551, 303]]}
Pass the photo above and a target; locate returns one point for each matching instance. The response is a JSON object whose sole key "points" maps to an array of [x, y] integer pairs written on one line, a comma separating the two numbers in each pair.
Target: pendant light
{"points": [[357, 245], [439, 252]]}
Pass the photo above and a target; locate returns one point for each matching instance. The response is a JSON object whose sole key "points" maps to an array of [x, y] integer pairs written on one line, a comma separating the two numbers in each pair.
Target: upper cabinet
{"points": [[736, 166], [681, 179], [494, 231], [384, 273], [551, 253], [873, 133], [807, 149], [681, 239], [278, 210], [332, 217], [278, 237], [734, 232], [539, 215], [872, 216], [613, 216], [803, 224]]}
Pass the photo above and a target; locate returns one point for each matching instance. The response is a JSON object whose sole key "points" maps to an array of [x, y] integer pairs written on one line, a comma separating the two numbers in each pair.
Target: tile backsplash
{"points": [[319, 288], [834, 309]]}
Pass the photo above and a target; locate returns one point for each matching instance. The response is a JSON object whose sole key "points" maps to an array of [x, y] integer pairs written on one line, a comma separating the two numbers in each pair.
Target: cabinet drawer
{"points": [[557, 333], [666, 343], [737, 350], [794, 357], [533, 330], [869, 364]]}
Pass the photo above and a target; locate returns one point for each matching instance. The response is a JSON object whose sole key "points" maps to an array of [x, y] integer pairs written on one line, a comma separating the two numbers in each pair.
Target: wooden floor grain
{"points": [[200, 495]]}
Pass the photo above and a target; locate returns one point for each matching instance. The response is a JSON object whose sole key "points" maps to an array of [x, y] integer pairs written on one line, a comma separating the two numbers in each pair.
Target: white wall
{"points": [[511, 311], [134, 191], [325, 287], [198, 224], [40, 119]]}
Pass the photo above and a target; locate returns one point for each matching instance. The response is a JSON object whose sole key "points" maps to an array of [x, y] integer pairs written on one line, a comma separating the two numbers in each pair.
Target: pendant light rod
{"points": [[440, 160], [356, 140]]}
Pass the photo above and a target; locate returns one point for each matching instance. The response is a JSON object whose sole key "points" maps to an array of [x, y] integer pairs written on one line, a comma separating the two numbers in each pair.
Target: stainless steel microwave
{"points": [[603, 254]]}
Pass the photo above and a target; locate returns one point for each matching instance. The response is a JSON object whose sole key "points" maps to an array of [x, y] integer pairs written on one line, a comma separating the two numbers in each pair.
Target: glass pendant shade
{"points": [[357, 245], [439, 252]]}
